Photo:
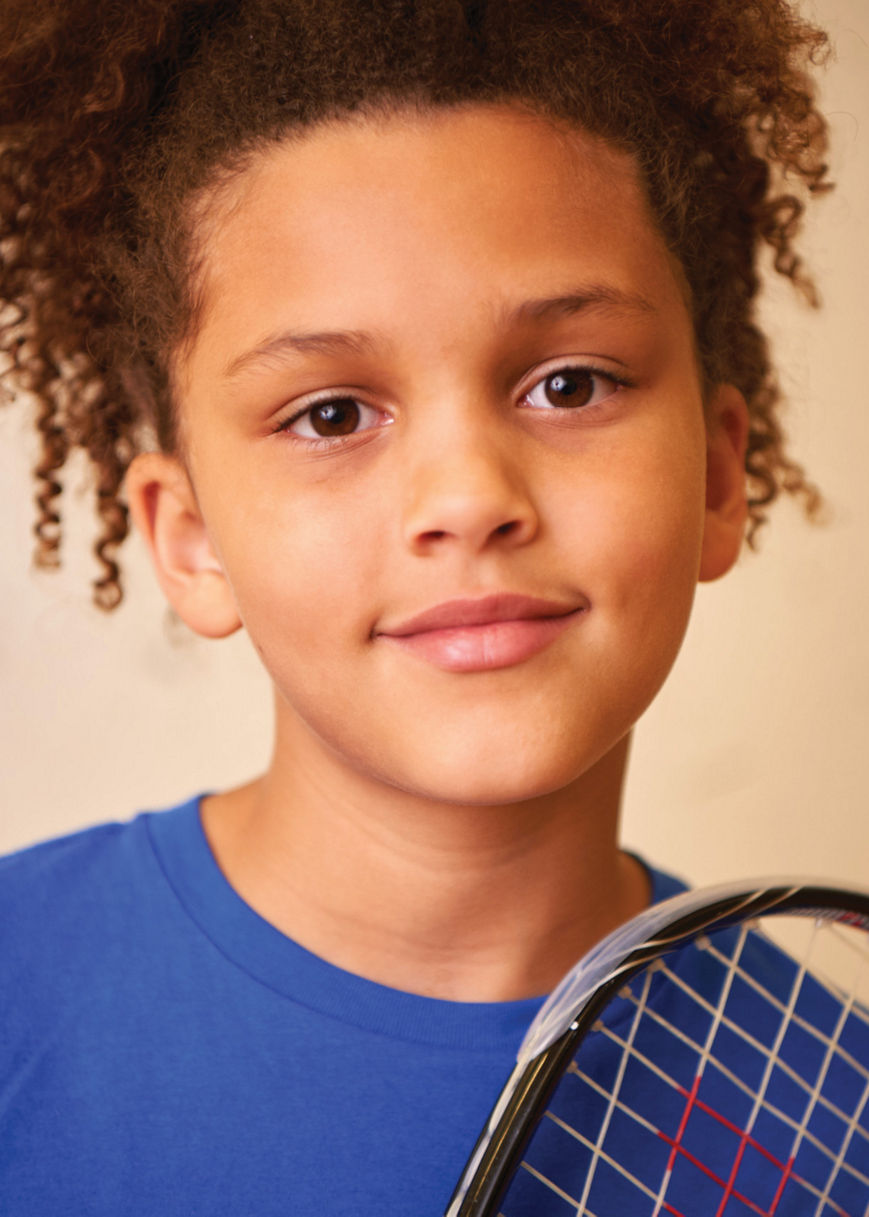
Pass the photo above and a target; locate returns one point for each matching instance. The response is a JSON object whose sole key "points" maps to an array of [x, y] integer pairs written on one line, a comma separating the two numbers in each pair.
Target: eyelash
{"points": [[586, 369]]}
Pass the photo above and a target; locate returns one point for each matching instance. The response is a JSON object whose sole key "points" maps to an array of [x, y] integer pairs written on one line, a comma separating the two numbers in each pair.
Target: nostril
{"points": [[503, 529]]}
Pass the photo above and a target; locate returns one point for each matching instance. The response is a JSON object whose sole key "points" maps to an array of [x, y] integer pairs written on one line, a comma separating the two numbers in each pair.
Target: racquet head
{"points": [[693, 1065]]}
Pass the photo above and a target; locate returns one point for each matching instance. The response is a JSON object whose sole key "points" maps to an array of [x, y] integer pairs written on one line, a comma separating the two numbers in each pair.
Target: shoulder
{"points": [[55, 876], [76, 896], [51, 878], [85, 923], [40, 862]]}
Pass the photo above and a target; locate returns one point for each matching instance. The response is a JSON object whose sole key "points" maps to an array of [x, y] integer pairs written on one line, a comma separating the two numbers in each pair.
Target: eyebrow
{"points": [[325, 342], [600, 298]]}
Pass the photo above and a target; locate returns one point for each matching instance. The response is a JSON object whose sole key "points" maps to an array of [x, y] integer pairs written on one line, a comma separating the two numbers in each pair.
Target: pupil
{"points": [[335, 417], [568, 388]]}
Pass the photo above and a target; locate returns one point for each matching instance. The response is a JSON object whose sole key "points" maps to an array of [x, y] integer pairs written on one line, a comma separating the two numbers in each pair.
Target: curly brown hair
{"points": [[116, 120]]}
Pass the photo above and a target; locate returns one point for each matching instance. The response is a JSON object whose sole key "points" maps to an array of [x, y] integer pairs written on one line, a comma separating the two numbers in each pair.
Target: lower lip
{"points": [[484, 648]]}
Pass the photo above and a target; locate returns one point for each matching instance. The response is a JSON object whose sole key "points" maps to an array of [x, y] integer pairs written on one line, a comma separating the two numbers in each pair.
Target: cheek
{"points": [[299, 563], [639, 510], [636, 543]]}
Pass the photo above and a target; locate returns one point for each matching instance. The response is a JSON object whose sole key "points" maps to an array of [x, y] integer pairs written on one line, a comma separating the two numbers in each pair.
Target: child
{"points": [[441, 317]]}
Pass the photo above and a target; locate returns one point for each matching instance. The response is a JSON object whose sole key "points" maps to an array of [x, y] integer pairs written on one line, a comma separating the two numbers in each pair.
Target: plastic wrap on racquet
{"points": [[710, 1058]]}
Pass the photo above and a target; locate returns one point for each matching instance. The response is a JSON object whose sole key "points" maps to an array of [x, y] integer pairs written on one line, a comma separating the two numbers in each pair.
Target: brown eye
{"points": [[338, 417], [570, 387], [578, 388], [335, 418]]}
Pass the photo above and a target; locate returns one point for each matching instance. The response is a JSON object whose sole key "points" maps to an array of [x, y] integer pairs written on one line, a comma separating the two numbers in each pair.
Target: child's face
{"points": [[435, 277]]}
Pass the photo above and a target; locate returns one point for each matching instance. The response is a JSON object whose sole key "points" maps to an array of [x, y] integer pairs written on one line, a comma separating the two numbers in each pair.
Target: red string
{"points": [[728, 1186]]}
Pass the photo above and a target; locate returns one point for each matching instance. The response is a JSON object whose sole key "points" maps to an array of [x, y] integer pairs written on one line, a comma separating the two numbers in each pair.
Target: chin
{"points": [[495, 776]]}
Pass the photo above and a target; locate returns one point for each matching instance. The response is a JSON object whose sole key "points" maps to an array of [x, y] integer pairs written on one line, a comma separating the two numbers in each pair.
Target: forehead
{"points": [[386, 223]]}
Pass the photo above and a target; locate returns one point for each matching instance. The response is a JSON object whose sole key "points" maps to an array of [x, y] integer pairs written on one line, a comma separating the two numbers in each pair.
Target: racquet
{"points": [[694, 1066]]}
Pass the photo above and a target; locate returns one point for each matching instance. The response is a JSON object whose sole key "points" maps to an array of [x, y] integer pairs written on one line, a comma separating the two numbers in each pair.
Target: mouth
{"points": [[477, 635]]}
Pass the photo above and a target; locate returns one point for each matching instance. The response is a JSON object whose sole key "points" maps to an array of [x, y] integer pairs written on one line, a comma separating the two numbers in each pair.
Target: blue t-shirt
{"points": [[164, 1050]]}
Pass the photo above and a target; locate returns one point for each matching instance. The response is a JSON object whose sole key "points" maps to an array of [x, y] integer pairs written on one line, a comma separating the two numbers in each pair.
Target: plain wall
{"points": [[754, 759]]}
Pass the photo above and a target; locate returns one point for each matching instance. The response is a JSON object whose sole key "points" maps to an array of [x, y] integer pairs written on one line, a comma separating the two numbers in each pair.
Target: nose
{"points": [[469, 493]]}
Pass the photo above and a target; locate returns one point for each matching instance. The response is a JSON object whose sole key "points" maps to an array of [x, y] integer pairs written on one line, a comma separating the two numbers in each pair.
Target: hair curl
{"points": [[115, 119]]}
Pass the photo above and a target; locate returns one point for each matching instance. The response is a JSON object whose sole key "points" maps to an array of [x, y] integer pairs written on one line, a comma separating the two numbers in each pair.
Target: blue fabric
{"points": [[164, 1050]]}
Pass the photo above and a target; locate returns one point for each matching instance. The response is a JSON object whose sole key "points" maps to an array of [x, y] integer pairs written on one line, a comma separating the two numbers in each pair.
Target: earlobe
{"points": [[726, 501], [165, 510]]}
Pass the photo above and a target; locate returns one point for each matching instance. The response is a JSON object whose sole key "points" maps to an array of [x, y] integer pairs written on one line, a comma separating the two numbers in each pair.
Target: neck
{"points": [[469, 903]]}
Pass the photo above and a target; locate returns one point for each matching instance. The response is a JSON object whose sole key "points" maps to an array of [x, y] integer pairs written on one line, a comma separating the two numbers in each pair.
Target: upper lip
{"points": [[481, 611]]}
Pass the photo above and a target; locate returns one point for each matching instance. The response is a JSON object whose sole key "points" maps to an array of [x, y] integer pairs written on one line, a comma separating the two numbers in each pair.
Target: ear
{"points": [[726, 501], [164, 507]]}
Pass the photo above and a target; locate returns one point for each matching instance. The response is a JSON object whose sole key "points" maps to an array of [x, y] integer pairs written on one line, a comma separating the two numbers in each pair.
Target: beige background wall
{"points": [[754, 759]]}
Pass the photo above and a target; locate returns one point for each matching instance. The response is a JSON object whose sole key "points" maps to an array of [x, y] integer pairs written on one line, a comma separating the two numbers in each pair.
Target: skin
{"points": [[447, 832]]}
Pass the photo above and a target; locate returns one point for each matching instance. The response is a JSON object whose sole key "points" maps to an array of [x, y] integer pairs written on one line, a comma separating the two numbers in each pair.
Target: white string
{"points": [[613, 1099], [605, 1157], [773, 1059], [811, 1029], [705, 1054], [677, 1086], [858, 1111], [839, 1164], [760, 1047]]}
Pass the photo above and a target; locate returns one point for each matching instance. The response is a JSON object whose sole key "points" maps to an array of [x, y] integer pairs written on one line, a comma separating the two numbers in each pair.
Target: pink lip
{"points": [[484, 634]]}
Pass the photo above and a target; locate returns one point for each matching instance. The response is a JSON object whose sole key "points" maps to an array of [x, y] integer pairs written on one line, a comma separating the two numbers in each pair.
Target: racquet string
{"points": [[726, 1079]]}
